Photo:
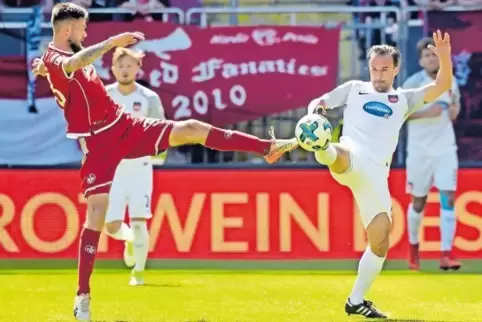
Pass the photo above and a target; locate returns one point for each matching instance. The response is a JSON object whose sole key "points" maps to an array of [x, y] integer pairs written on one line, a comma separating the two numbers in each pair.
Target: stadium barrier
{"points": [[260, 215]]}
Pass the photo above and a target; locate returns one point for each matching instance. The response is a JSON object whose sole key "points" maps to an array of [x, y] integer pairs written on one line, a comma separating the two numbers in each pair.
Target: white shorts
{"points": [[132, 187], [423, 172], [368, 182]]}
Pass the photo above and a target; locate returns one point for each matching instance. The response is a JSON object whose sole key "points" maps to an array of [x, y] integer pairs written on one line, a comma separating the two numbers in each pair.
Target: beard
{"points": [[382, 87], [433, 71], [74, 46]]}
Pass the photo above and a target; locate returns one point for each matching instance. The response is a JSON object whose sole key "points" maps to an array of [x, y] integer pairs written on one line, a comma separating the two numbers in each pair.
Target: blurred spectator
{"points": [[438, 4], [19, 3], [469, 3], [433, 4], [139, 8], [373, 36]]}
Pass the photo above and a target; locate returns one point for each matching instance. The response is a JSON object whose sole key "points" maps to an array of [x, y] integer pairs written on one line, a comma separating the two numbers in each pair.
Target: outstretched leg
{"points": [[196, 132], [336, 157]]}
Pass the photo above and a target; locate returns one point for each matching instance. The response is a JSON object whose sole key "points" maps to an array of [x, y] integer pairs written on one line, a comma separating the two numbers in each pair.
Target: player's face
{"points": [[429, 61], [76, 34], [382, 72], [125, 70]]}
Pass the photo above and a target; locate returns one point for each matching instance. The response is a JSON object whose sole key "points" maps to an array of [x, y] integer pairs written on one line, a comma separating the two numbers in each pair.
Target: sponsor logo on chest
{"points": [[378, 109]]}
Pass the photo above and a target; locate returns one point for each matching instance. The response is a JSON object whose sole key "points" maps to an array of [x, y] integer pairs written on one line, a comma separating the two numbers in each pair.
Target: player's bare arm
{"points": [[435, 110], [454, 108], [90, 54], [335, 156], [443, 82], [332, 100]]}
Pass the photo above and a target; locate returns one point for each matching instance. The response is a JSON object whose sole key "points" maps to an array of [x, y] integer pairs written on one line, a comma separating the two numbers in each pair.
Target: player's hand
{"points": [[126, 39], [442, 44], [38, 68], [320, 109]]}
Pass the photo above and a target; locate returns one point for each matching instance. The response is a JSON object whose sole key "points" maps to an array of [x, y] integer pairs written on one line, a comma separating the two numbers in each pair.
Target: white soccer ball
{"points": [[313, 132]]}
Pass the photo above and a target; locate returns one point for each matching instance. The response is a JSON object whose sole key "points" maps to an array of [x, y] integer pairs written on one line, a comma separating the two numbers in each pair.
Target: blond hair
{"points": [[120, 53]]}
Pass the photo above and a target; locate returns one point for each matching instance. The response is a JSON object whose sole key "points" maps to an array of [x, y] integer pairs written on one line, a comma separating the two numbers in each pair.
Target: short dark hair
{"points": [[423, 43], [385, 50], [68, 11]]}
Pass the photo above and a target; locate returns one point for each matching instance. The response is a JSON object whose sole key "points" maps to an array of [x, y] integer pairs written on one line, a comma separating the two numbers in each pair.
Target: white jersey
{"points": [[372, 120], [432, 136], [140, 103]]}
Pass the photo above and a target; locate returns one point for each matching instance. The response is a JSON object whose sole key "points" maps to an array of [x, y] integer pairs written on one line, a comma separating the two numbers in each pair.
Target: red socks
{"points": [[89, 240], [226, 140]]}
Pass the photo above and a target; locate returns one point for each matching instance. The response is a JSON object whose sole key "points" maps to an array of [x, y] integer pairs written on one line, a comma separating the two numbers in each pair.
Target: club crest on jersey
{"points": [[137, 106], [378, 109], [393, 98], [87, 70]]}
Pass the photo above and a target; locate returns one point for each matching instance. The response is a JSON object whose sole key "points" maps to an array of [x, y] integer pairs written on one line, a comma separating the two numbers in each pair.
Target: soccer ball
{"points": [[313, 132]]}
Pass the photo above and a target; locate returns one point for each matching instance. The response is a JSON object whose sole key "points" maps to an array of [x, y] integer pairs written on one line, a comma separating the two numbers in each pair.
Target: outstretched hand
{"points": [[127, 38], [38, 68], [442, 44]]}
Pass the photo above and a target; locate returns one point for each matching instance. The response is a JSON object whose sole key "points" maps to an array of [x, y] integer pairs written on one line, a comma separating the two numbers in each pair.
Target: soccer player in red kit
{"points": [[107, 134]]}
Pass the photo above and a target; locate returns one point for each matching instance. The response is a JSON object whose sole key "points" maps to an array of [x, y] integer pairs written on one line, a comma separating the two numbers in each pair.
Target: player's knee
{"points": [[189, 132], [447, 200], [380, 248], [418, 203], [96, 210], [381, 243], [379, 234], [113, 227]]}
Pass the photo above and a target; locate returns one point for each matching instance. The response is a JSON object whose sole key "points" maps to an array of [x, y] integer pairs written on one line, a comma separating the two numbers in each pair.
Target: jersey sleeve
{"points": [[156, 110], [336, 98], [415, 98], [53, 62]]}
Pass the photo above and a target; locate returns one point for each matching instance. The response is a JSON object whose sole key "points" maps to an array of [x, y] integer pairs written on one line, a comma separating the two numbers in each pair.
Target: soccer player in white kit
{"points": [[432, 159], [373, 114], [133, 180]]}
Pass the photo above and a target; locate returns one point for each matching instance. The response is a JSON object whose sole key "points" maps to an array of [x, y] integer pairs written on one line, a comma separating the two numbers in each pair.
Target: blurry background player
{"points": [[432, 158], [132, 183]]}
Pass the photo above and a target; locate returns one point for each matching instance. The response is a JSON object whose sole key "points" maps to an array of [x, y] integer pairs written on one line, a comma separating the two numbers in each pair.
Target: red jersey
{"points": [[88, 109]]}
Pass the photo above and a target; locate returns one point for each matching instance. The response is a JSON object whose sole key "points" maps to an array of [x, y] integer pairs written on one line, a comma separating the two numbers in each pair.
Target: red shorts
{"points": [[129, 138]]}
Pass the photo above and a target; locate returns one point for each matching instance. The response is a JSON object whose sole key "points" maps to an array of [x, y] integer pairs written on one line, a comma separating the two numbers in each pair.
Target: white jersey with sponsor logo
{"points": [[372, 120], [432, 136], [141, 103]]}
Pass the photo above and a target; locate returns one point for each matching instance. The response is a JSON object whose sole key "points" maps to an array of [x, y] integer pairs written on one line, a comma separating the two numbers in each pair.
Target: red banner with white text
{"points": [[222, 75], [228, 214]]}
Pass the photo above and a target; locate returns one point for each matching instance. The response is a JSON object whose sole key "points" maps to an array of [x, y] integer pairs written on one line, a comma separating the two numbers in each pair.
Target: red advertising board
{"points": [[227, 214]]}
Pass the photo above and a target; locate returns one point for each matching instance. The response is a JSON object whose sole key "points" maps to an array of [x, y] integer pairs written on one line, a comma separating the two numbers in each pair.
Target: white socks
{"points": [[448, 224], [369, 268], [327, 156], [124, 233], [141, 244], [413, 221]]}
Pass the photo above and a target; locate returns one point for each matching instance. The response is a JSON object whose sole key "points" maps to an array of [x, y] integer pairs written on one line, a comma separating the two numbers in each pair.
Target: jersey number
{"points": [[59, 97]]}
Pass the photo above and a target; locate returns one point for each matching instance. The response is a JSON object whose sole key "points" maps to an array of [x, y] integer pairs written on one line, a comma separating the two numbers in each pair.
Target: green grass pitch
{"points": [[237, 295]]}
